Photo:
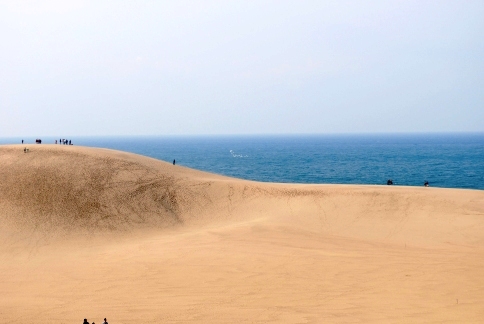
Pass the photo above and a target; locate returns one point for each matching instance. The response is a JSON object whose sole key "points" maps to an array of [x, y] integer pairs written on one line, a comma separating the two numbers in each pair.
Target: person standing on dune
{"points": [[105, 321]]}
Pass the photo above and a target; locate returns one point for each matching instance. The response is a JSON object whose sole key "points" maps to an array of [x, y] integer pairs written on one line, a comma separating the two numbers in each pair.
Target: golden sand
{"points": [[94, 233]]}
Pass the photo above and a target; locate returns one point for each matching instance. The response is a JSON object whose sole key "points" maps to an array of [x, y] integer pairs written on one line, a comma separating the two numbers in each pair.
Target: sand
{"points": [[93, 233]]}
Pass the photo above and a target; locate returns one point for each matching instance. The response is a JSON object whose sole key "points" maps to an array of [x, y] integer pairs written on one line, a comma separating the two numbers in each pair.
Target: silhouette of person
{"points": [[85, 321], [22, 141], [173, 162], [105, 321]]}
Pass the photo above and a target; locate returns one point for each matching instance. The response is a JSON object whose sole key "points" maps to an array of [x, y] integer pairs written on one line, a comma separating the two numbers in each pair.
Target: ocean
{"points": [[444, 160]]}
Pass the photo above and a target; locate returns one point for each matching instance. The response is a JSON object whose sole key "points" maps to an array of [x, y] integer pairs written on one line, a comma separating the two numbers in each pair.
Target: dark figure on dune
{"points": [[426, 183], [22, 141], [389, 182], [85, 321], [173, 162], [105, 321]]}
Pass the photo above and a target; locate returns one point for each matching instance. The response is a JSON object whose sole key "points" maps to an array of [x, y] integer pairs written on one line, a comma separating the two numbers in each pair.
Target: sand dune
{"points": [[94, 233]]}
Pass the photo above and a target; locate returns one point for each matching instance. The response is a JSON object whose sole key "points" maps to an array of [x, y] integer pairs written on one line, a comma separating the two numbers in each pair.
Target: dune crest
{"points": [[70, 188]]}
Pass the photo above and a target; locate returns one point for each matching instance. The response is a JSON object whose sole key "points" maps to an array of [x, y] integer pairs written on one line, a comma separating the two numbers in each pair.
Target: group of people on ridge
{"points": [[64, 141], [86, 322]]}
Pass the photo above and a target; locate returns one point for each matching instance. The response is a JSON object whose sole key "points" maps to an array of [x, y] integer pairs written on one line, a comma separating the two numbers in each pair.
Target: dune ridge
{"points": [[77, 188], [172, 244]]}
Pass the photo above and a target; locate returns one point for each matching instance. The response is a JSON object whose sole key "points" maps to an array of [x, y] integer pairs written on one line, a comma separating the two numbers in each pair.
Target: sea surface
{"points": [[444, 160]]}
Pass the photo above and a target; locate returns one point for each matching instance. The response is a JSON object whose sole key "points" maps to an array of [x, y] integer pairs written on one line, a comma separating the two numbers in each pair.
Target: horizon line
{"points": [[257, 134]]}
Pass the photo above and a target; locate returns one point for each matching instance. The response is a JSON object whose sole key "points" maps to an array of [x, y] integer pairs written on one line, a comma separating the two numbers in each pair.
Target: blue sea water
{"points": [[445, 160]]}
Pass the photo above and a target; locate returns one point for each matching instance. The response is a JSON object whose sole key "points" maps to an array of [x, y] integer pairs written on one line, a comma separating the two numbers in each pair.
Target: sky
{"points": [[107, 68]]}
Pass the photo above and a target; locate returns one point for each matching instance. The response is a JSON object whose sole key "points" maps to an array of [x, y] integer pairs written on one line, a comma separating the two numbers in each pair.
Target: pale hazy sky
{"points": [[240, 67]]}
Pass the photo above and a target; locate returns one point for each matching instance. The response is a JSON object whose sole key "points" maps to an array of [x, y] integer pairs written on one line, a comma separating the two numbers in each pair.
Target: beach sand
{"points": [[93, 233]]}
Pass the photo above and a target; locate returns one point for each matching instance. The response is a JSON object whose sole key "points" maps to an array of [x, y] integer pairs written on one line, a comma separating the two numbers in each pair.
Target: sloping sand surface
{"points": [[94, 233]]}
